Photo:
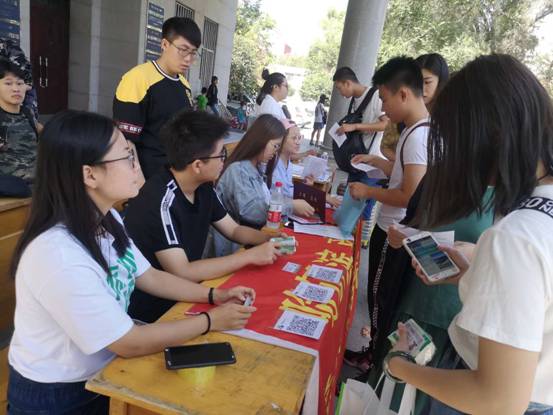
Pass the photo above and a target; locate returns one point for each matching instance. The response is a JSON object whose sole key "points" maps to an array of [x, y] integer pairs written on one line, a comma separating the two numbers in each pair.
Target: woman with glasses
{"points": [[279, 169], [242, 187], [75, 269], [273, 91]]}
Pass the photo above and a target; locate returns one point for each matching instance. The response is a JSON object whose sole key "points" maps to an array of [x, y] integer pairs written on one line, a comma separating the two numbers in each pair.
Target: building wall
{"points": [[107, 38]]}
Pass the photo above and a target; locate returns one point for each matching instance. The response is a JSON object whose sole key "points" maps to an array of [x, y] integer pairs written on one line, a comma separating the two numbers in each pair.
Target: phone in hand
{"points": [[199, 355], [435, 264], [248, 301]]}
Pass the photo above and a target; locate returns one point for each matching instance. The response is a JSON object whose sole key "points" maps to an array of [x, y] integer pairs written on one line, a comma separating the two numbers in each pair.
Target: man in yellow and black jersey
{"points": [[151, 93]]}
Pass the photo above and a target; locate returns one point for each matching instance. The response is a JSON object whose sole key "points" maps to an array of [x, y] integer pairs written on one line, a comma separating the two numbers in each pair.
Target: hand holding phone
{"points": [[433, 262]]}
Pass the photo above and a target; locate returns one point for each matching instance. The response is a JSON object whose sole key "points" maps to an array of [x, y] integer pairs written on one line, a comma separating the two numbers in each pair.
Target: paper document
{"points": [[297, 169], [443, 238], [301, 324], [314, 292], [325, 273], [339, 138], [326, 231], [314, 167], [372, 172]]}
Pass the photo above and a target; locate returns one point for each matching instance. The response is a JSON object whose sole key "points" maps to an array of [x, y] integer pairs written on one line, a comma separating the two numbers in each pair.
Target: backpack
{"points": [[354, 141], [422, 124]]}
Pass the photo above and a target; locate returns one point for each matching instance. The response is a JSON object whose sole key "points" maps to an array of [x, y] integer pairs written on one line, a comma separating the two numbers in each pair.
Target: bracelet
{"points": [[210, 296], [208, 322], [389, 357]]}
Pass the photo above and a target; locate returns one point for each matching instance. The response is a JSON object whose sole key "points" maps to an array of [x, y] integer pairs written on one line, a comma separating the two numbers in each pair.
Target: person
{"points": [[279, 169], [273, 91], [212, 92], [151, 93], [400, 86], [169, 220], [18, 129], [242, 117], [241, 187], [201, 100], [75, 269], [372, 125], [11, 51], [435, 73], [505, 326], [320, 119]]}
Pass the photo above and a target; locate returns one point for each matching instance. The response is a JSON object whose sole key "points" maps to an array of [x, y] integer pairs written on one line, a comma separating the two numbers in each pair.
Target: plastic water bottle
{"points": [[274, 215]]}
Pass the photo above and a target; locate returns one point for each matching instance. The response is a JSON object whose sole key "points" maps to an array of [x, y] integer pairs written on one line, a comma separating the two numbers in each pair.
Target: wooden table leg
{"points": [[117, 407]]}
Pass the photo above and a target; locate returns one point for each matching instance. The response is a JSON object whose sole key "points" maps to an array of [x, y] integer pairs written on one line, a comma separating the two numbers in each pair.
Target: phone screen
{"points": [[199, 355], [430, 258]]}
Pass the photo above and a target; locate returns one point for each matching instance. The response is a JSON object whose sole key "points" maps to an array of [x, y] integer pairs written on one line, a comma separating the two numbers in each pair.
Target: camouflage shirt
{"points": [[18, 145]]}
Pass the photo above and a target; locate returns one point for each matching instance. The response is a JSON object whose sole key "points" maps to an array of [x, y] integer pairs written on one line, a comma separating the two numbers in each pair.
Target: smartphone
{"points": [[248, 302], [199, 355], [435, 264]]}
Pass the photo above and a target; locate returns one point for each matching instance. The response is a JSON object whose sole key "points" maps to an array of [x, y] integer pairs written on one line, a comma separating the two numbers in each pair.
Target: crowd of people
{"points": [[474, 155]]}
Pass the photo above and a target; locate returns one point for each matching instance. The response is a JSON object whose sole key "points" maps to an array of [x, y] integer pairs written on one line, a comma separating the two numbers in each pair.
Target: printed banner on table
{"points": [[275, 288]]}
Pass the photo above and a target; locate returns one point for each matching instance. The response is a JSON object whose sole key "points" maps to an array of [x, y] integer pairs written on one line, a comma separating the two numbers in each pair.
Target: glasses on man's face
{"points": [[131, 158], [185, 52], [222, 156]]}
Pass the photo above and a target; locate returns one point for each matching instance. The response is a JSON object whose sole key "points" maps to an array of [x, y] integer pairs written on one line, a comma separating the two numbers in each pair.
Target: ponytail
{"points": [[276, 78]]}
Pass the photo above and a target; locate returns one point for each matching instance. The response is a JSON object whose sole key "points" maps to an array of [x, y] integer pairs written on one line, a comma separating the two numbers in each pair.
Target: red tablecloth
{"points": [[274, 288]]}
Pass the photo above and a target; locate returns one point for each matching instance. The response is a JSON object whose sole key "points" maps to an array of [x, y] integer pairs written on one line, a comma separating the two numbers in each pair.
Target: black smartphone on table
{"points": [[199, 355]]}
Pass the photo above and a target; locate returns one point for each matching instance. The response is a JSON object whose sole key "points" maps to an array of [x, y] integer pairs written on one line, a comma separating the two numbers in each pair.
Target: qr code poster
{"points": [[325, 273], [314, 292], [291, 267], [301, 324]]}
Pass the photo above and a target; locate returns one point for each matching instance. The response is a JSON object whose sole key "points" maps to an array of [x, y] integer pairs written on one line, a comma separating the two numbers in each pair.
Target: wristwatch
{"points": [[390, 356]]}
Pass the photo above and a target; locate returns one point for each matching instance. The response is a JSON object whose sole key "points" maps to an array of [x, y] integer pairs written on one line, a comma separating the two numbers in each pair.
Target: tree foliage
{"points": [[251, 49]]}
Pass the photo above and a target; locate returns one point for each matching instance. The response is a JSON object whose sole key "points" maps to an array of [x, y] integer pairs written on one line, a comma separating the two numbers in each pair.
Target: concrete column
{"points": [[359, 49]]}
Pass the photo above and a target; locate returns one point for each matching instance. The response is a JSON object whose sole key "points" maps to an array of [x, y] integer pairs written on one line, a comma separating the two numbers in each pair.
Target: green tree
{"points": [[250, 53], [322, 57]]}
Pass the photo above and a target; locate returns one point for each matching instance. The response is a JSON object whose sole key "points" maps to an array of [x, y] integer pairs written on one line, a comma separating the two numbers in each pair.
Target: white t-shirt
{"points": [[319, 112], [371, 115], [68, 310], [507, 293], [414, 152], [270, 106]]}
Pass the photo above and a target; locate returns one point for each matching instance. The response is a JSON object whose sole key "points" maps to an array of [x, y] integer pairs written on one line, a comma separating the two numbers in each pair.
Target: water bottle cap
{"points": [[278, 184]]}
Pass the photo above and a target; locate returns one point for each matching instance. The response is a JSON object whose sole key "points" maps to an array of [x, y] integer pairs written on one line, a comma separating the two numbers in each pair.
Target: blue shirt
{"points": [[283, 174]]}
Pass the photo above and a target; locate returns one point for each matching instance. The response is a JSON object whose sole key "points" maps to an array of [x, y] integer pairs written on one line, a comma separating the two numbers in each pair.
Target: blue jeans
{"points": [[361, 177], [27, 397], [214, 108]]}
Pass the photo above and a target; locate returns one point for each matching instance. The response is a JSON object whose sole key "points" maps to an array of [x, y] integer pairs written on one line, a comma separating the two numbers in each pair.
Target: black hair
{"points": [[264, 129], [184, 27], [397, 72], [345, 73], [191, 135], [492, 124], [69, 141], [204, 89], [276, 78], [214, 78], [7, 66], [437, 65], [322, 98]]}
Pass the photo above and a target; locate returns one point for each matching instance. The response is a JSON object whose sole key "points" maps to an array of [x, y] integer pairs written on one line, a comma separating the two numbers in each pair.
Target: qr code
{"points": [[302, 325], [326, 274], [316, 293]]}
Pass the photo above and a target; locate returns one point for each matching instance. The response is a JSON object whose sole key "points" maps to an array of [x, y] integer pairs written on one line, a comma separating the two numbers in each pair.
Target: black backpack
{"points": [[354, 141]]}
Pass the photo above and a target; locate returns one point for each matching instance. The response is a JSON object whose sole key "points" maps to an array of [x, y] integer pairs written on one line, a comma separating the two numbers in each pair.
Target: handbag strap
{"points": [[422, 124]]}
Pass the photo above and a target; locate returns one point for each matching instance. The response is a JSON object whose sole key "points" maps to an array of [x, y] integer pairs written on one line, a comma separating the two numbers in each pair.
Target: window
{"points": [[183, 11], [209, 42]]}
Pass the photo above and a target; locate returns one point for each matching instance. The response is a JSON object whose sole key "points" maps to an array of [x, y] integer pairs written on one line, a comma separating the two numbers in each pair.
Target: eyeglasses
{"points": [[131, 158], [184, 52], [222, 156]]}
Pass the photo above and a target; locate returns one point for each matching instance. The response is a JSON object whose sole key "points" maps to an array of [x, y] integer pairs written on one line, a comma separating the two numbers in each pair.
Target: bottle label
{"points": [[274, 216]]}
